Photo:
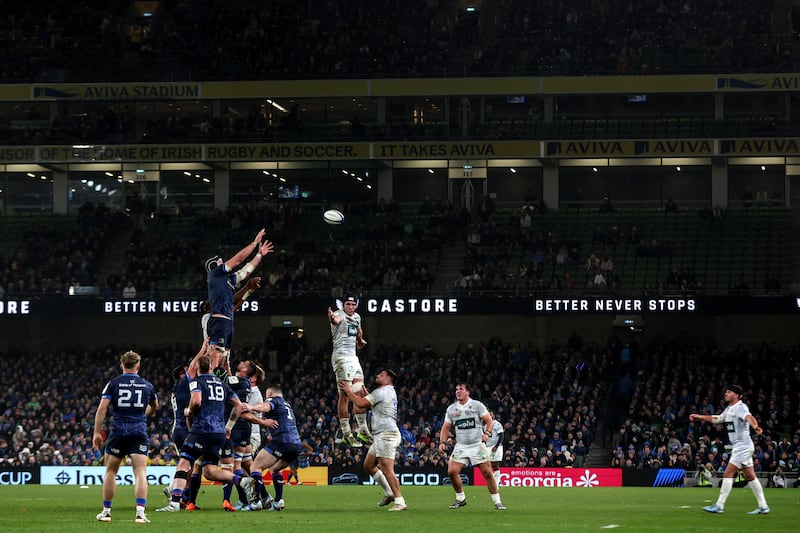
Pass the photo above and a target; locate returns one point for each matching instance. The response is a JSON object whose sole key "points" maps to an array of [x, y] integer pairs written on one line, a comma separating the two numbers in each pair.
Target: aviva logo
{"points": [[52, 92], [738, 83]]}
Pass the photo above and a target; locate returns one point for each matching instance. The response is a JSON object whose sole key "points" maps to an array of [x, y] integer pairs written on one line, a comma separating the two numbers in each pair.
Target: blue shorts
{"points": [[206, 445], [240, 434], [122, 445], [220, 332], [227, 450], [179, 437], [281, 450]]}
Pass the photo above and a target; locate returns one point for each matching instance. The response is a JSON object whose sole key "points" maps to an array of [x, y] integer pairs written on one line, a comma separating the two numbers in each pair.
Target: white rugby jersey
{"points": [[737, 427], [466, 420], [344, 333], [497, 428], [384, 409]]}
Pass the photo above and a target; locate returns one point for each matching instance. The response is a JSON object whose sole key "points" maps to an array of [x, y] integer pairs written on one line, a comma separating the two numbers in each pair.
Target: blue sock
{"points": [[262, 490], [141, 501], [107, 505], [277, 480], [240, 490], [194, 487]]}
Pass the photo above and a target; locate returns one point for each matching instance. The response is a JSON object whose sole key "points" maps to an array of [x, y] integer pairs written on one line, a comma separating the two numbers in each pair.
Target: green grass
{"points": [[65, 509]]}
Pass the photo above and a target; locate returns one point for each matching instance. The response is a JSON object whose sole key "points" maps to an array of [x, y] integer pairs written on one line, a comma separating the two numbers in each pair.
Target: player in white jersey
{"points": [[495, 446], [737, 421], [255, 398], [380, 458], [472, 424], [347, 337]]}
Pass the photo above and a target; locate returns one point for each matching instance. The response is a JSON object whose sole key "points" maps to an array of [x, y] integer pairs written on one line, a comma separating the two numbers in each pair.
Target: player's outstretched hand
{"points": [[260, 236], [266, 247]]}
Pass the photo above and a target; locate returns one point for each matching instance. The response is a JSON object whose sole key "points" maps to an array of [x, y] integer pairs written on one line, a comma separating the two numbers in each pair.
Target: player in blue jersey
{"points": [[208, 429], [180, 428], [223, 277], [132, 399], [276, 455], [235, 452]]}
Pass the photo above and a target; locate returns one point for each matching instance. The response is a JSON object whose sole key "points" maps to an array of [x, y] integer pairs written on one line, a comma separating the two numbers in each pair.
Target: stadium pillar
{"points": [[719, 107], [550, 186], [385, 183], [60, 192], [222, 186], [381, 111], [549, 107], [719, 183]]}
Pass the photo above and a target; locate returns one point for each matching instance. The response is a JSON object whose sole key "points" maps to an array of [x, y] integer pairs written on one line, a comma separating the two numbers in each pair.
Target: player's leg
{"points": [[226, 466], [758, 490], [357, 373], [262, 461], [371, 467], [454, 467], [213, 473], [286, 454], [480, 458], [139, 462], [344, 371], [109, 485], [180, 479], [195, 481], [725, 489], [387, 467], [278, 483]]}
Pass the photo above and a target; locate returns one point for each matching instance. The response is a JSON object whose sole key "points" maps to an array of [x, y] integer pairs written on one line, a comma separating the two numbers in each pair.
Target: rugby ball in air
{"points": [[332, 216]]}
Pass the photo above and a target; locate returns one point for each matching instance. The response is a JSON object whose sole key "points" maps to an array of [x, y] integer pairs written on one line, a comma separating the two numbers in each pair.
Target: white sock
{"points": [[139, 510], [380, 479], [497, 477], [724, 491], [400, 501], [362, 423], [496, 498], [344, 423], [758, 491], [460, 496]]}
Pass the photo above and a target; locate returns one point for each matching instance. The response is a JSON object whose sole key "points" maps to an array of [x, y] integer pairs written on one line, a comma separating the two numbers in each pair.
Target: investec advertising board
{"points": [[93, 475]]}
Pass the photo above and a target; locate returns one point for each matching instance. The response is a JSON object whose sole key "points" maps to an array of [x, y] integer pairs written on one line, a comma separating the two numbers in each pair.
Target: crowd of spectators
{"points": [[383, 250], [52, 255], [672, 378], [552, 403], [653, 36], [301, 39], [548, 402]]}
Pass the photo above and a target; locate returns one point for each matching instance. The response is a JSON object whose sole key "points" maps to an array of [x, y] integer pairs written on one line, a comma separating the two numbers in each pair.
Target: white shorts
{"points": [[346, 368], [496, 456], [742, 458], [470, 453], [385, 444], [255, 439]]}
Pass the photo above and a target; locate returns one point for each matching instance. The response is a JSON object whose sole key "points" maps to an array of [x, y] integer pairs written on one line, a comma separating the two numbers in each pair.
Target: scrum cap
{"points": [[211, 263], [735, 389]]}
